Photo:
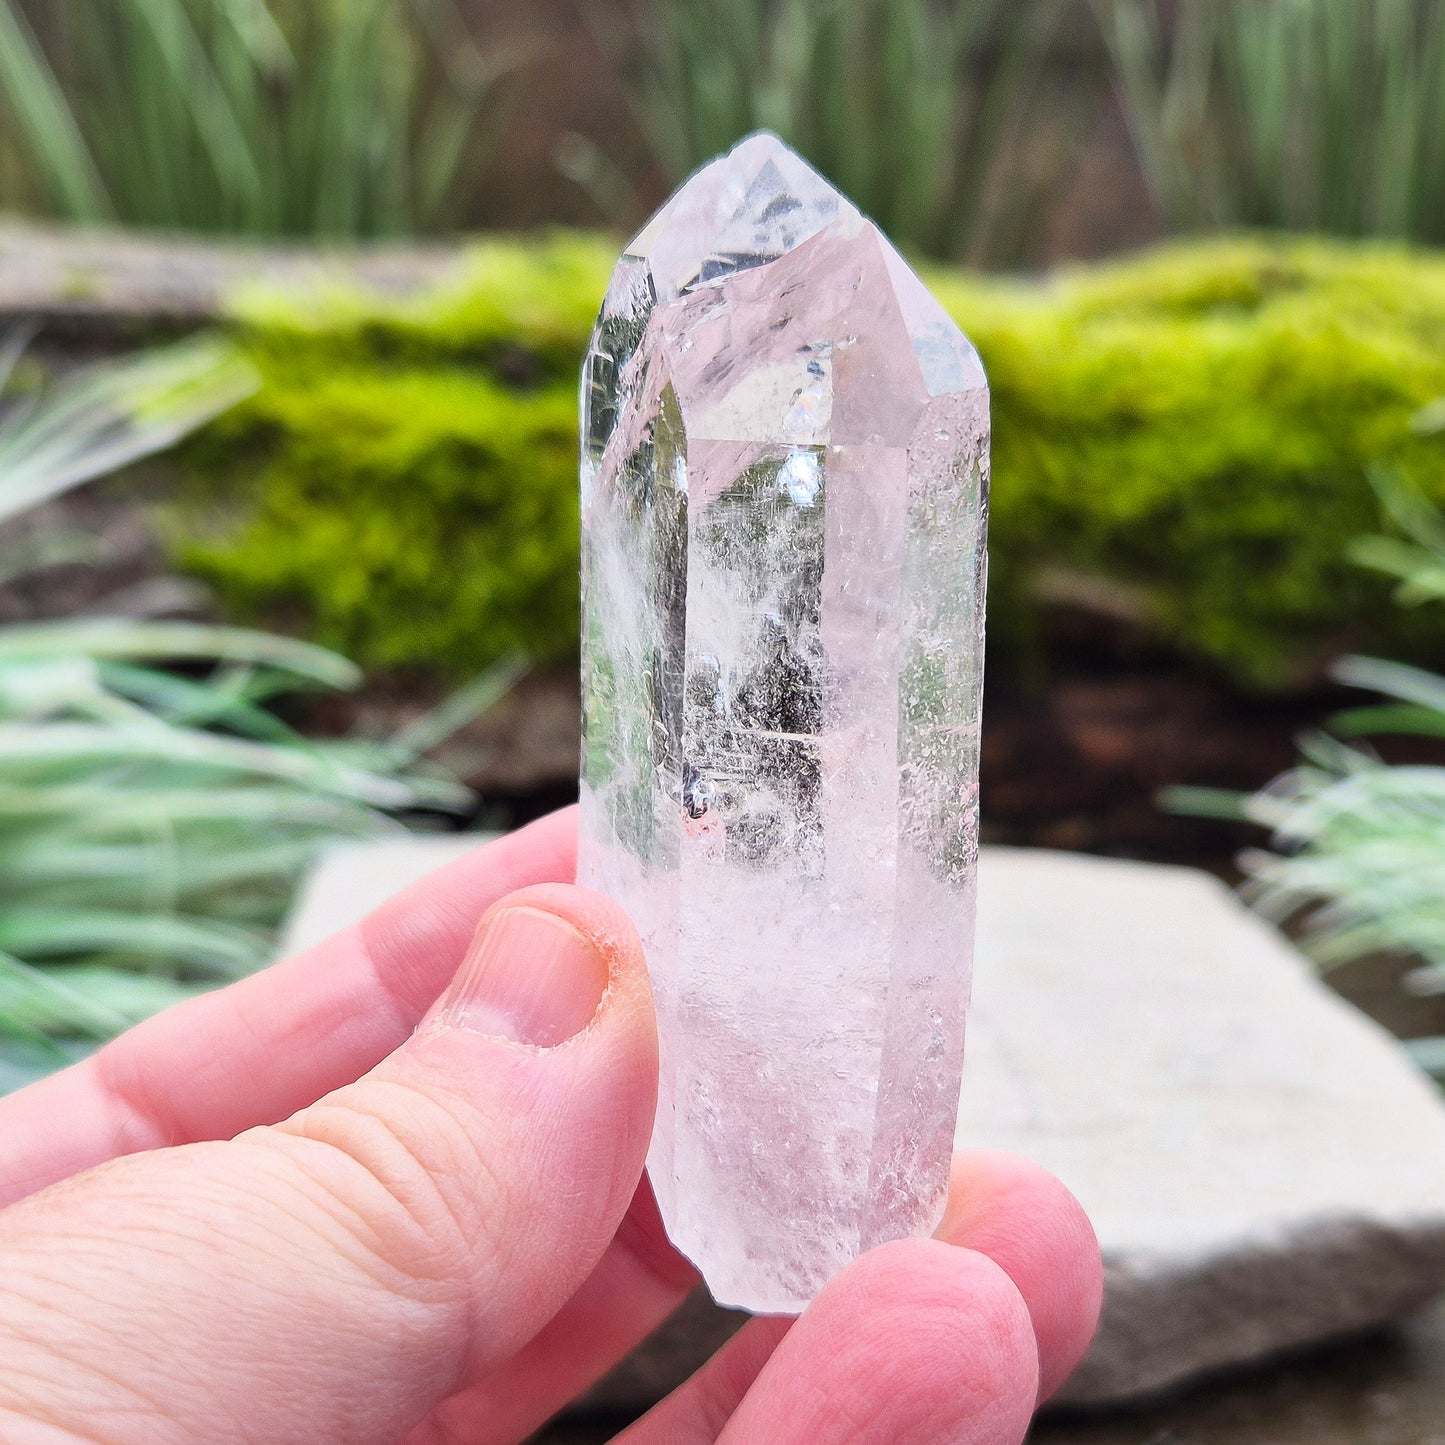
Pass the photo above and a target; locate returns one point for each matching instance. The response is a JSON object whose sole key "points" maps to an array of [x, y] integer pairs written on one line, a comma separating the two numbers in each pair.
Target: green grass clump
{"points": [[339, 118], [1186, 432], [1305, 114], [929, 116], [156, 809], [1357, 845]]}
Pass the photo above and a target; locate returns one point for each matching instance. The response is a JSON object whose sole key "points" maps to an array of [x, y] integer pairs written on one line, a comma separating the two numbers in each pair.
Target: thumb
{"points": [[334, 1277]]}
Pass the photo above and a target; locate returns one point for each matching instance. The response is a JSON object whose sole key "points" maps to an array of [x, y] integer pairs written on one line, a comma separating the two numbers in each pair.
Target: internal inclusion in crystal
{"points": [[784, 482]]}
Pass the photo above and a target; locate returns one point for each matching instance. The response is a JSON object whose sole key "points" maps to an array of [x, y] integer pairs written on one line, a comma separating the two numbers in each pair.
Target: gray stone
{"points": [[353, 878], [1263, 1166]]}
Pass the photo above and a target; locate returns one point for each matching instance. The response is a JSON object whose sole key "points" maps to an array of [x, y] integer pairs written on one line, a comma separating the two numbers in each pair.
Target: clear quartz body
{"points": [[784, 492]]}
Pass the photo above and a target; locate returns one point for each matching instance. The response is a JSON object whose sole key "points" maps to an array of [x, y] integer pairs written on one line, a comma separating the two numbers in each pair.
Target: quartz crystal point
{"points": [[784, 484]]}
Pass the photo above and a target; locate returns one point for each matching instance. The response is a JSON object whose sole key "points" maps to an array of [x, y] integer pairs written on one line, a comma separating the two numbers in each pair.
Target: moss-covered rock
{"points": [[1196, 424], [404, 482], [1186, 431]]}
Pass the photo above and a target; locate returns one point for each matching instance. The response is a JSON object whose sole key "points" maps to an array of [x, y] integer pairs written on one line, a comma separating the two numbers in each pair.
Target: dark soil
{"points": [[1079, 761], [1073, 761], [1074, 757]]}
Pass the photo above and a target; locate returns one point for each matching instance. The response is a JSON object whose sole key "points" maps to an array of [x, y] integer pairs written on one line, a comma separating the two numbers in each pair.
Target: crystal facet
{"points": [[784, 487]]}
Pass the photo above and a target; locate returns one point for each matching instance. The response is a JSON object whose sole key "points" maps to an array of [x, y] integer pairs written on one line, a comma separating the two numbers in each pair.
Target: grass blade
{"points": [[54, 142]]}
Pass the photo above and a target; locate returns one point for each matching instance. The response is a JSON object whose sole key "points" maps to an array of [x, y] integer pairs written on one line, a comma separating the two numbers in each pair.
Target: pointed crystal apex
{"points": [[748, 207], [784, 489]]}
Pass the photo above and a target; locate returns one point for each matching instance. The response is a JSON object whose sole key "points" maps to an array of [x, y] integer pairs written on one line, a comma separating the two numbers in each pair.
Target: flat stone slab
{"points": [[353, 878], [1264, 1167]]}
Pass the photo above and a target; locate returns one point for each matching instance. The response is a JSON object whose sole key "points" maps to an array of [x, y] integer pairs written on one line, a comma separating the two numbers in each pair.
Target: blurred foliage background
{"points": [[1185, 434], [1000, 132], [1313, 116], [345, 118]]}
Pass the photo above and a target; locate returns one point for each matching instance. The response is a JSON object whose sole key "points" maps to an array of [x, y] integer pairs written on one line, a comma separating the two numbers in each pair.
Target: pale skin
{"points": [[319, 1206]]}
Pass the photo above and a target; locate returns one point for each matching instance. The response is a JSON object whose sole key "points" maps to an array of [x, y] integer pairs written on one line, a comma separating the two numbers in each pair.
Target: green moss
{"points": [[404, 483], [1196, 423], [1192, 424]]}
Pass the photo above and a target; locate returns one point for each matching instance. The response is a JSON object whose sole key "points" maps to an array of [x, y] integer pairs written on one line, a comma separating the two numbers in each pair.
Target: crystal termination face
{"points": [[784, 488]]}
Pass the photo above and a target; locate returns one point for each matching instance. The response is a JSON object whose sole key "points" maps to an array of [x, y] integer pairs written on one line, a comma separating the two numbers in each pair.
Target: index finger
{"points": [[256, 1052]]}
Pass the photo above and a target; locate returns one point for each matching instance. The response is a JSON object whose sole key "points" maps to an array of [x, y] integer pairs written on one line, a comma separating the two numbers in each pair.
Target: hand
{"points": [[278, 1214]]}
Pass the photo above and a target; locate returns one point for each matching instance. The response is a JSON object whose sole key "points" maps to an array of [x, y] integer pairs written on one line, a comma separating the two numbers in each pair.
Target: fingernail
{"points": [[529, 976]]}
